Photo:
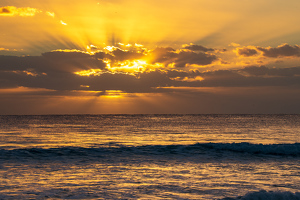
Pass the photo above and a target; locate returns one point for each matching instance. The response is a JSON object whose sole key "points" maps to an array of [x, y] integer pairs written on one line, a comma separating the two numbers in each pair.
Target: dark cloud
{"points": [[49, 78], [264, 71], [195, 47], [52, 70], [122, 55], [185, 57], [50, 62], [4, 10], [176, 73], [247, 90], [13, 63], [181, 58], [247, 77], [246, 51], [101, 55], [55, 71], [259, 77], [162, 55], [281, 51]]}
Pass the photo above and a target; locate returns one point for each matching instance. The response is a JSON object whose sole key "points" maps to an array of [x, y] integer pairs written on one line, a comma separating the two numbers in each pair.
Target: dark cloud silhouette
{"points": [[264, 71], [180, 74], [281, 51], [4, 10], [122, 55], [55, 71], [51, 62], [162, 55], [181, 58], [195, 47], [101, 55], [246, 51], [49, 78], [185, 57]]}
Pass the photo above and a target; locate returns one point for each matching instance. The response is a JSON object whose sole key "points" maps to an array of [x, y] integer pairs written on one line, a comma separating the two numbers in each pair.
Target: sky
{"points": [[149, 57]]}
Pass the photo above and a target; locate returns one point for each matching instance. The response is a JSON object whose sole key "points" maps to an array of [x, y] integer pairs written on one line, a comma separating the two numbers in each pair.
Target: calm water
{"points": [[150, 157]]}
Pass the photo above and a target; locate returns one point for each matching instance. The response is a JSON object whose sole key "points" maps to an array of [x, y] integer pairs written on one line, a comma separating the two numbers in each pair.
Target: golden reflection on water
{"points": [[153, 178], [52, 135], [136, 172]]}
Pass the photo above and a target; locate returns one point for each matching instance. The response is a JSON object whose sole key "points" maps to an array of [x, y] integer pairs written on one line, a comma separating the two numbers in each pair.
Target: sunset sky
{"points": [[158, 56]]}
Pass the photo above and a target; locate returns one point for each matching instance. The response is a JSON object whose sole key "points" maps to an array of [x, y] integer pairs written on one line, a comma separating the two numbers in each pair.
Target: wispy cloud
{"points": [[51, 14]]}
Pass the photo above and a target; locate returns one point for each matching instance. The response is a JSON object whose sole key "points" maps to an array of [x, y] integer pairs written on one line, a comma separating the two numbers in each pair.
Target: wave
{"points": [[270, 149], [208, 149], [268, 195]]}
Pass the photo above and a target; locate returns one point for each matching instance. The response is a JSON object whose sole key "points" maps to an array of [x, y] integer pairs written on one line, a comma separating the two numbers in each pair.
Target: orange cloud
{"points": [[246, 51], [14, 11], [284, 50]]}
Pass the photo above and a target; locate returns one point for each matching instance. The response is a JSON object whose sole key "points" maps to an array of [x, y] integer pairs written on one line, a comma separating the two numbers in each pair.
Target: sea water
{"points": [[150, 157]]}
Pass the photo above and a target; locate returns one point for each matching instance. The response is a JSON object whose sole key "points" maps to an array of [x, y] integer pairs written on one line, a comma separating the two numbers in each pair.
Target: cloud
{"points": [[61, 71], [166, 56], [284, 50], [272, 72], [162, 55], [14, 11], [51, 14], [63, 23], [122, 55], [181, 58], [246, 51], [186, 57], [51, 62], [254, 77]]}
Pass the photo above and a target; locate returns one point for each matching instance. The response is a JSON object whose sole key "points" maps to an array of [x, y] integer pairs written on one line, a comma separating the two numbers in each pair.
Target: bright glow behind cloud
{"points": [[171, 23], [150, 52]]}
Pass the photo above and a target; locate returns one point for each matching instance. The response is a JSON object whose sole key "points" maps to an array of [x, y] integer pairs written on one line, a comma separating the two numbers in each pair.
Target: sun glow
{"points": [[111, 23], [130, 67], [94, 72], [114, 94], [22, 89], [63, 23]]}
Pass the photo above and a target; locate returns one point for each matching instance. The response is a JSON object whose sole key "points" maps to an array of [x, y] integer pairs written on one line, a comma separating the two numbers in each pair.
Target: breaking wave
{"points": [[244, 149]]}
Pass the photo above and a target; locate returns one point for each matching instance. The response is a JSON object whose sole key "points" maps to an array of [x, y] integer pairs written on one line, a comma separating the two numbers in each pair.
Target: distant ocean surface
{"points": [[150, 157]]}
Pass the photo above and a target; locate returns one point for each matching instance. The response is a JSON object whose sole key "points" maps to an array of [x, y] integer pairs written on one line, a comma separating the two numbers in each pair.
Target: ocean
{"points": [[150, 157]]}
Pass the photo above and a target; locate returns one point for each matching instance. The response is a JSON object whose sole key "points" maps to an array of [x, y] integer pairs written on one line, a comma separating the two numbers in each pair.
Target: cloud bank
{"points": [[172, 75], [135, 71]]}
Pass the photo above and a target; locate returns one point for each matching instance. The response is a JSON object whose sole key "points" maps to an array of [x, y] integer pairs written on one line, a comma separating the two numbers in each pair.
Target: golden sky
{"points": [[129, 56]]}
